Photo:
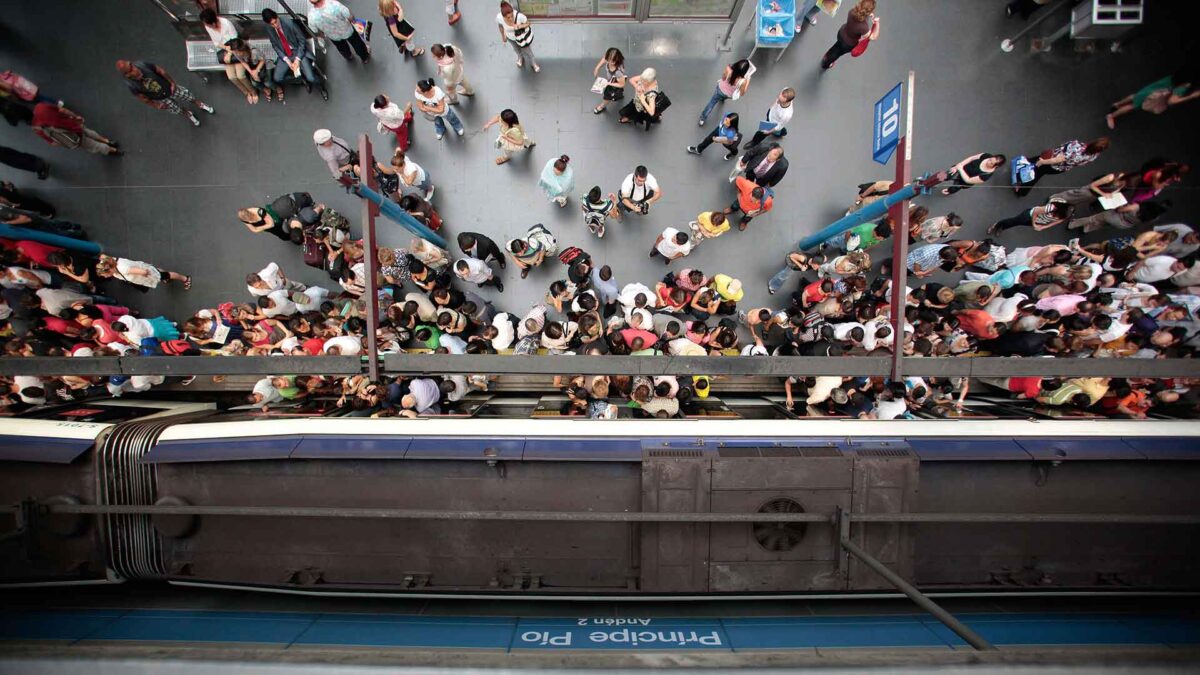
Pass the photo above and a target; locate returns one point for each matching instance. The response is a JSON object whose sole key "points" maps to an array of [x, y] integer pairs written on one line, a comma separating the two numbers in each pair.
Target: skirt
{"points": [[611, 93], [164, 328]]}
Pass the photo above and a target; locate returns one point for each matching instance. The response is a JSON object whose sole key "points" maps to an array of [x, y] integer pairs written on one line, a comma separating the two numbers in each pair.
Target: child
{"points": [[597, 209]]}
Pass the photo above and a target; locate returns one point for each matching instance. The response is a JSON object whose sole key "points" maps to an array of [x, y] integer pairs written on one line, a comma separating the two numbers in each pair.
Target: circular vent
{"points": [[778, 537]]}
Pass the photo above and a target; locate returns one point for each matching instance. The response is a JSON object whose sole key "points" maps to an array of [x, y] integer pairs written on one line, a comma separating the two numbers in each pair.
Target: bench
{"points": [[202, 54]]}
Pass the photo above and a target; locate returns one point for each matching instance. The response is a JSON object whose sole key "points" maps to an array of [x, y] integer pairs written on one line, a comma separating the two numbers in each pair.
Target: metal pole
{"points": [[972, 638], [168, 12], [1007, 44], [394, 213], [734, 15], [1030, 518], [370, 258], [899, 216], [18, 233], [871, 211]]}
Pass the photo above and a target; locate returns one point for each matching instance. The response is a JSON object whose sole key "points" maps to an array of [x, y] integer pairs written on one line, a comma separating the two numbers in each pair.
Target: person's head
{"points": [[460, 266], [381, 102], [731, 120], [883, 229], [738, 70], [425, 86], [614, 57], [695, 277], [678, 297], [954, 220], [387, 7], [718, 219], [681, 238], [862, 10], [509, 118], [1061, 210], [758, 193], [1097, 146], [786, 96], [208, 17], [270, 17], [506, 10], [1178, 266], [775, 153], [560, 164], [423, 334], [517, 246], [558, 288], [606, 273], [323, 137], [639, 174], [649, 75], [554, 330]]}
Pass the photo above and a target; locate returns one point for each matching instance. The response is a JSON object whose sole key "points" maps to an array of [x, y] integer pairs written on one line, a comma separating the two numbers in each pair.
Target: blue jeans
{"points": [[283, 72], [439, 122], [717, 97]]}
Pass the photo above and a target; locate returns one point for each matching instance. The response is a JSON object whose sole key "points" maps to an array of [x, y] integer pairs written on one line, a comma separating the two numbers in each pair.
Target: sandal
{"points": [[187, 283], [270, 95], [418, 51], [597, 111], [501, 160]]}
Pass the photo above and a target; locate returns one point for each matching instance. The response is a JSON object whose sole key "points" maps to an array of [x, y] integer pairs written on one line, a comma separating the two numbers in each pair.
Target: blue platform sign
{"points": [[885, 129]]}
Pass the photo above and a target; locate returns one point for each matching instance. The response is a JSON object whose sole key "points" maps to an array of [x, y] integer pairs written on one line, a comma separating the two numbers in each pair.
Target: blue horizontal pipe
{"points": [[20, 233], [398, 215], [875, 209]]}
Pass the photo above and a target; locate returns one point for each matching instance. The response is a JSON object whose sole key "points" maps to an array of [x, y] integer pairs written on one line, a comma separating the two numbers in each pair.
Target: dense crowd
{"points": [[1133, 294]]}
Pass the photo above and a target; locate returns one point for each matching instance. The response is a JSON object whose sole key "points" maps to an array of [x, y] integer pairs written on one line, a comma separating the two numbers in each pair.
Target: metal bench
{"points": [[202, 54]]}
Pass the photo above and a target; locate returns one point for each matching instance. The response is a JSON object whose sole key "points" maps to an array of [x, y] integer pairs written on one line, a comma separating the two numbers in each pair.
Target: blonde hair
{"points": [[387, 7], [862, 10]]}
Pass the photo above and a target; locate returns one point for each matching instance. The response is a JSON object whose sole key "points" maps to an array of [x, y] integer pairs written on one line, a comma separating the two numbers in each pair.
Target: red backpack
{"points": [[570, 254]]}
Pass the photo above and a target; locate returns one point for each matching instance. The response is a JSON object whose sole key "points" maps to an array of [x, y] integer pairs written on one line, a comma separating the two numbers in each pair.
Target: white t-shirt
{"points": [[432, 99], [410, 167], [669, 248], [841, 331], [890, 410], [272, 276], [504, 328], [268, 391], [779, 115], [478, 271], [224, 32], [822, 388], [125, 268], [1155, 268], [283, 305], [510, 32], [351, 345], [639, 193]]}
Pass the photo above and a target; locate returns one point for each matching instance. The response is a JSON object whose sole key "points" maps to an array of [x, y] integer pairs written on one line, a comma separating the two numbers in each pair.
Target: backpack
{"points": [[334, 221], [569, 255], [178, 348]]}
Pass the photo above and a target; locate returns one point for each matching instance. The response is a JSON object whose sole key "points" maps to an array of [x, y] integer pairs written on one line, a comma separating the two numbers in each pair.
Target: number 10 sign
{"points": [[885, 130]]}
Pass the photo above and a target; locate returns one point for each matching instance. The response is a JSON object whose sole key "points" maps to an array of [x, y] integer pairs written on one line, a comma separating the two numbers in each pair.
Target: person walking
{"points": [[24, 161], [512, 135], [394, 120], [672, 245], [433, 103], [613, 66], [516, 31], [453, 16], [1041, 217], [763, 164], [532, 251], [733, 84], [597, 208], [138, 273], [558, 180], [60, 126], [644, 108], [292, 54], [860, 28], [1061, 160], [221, 32], [332, 19], [337, 155], [974, 170], [400, 30], [639, 191], [449, 62], [1158, 96], [726, 134], [476, 245], [154, 87], [752, 200], [477, 272], [778, 115]]}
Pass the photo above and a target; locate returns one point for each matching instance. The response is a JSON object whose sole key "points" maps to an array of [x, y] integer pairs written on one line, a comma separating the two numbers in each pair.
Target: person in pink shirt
{"points": [[1065, 305]]}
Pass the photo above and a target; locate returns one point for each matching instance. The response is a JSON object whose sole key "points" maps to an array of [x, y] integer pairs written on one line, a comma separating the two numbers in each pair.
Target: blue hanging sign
{"points": [[885, 129]]}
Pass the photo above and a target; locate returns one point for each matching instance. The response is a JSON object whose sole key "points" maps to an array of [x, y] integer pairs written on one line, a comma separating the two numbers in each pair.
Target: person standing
{"points": [[59, 126], [154, 87], [477, 272], [597, 208], [763, 164], [639, 191], [452, 14], [24, 161], [778, 115], [394, 120], [291, 48], [434, 104], [733, 84], [1062, 159], [516, 31], [532, 251], [752, 200], [557, 180], [400, 30], [335, 153], [476, 245], [613, 64], [332, 19], [671, 245], [726, 134], [220, 32], [644, 108], [512, 135], [449, 62], [861, 24], [974, 170]]}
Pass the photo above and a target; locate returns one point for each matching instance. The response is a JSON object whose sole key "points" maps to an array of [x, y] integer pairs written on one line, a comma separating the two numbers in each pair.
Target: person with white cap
{"points": [[336, 154]]}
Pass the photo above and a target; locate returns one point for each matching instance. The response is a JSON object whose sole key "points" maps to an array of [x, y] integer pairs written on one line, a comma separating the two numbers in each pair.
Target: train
{"points": [[507, 499]]}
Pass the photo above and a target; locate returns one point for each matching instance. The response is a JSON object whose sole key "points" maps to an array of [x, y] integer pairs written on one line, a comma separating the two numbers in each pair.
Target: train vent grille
{"points": [[884, 452], [736, 453], [675, 453]]}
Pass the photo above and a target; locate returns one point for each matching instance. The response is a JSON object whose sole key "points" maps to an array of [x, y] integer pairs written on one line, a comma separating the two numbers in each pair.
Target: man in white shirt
{"points": [[638, 191], [778, 116], [501, 333], [276, 303], [636, 295], [477, 272], [1186, 239], [1155, 268], [672, 245], [265, 393], [344, 345]]}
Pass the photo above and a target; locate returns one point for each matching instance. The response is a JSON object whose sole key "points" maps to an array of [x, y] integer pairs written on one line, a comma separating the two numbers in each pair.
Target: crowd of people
{"points": [[1134, 294]]}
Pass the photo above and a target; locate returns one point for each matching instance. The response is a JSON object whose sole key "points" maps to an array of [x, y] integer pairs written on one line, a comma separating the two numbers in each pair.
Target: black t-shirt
{"points": [[151, 85], [1017, 344], [287, 206]]}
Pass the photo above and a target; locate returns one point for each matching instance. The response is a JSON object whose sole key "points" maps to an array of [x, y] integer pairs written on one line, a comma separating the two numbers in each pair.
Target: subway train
{"points": [[507, 497]]}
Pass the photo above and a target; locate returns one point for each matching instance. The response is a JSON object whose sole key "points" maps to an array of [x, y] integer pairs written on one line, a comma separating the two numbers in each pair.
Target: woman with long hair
{"points": [[613, 65], [733, 84]]}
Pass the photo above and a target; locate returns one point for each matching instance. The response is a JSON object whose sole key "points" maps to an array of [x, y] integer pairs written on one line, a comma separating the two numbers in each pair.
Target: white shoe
{"points": [[429, 195], [812, 20], [460, 132], [195, 122], [439, 136]]}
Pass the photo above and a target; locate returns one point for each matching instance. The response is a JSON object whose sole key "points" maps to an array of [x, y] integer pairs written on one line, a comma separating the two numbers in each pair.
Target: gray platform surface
{"points": [[172, 200]]}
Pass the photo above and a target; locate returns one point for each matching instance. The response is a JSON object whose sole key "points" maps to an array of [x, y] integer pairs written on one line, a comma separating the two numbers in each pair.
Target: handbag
{"points": [[1157, 102], [24, 89], [860, 48]]}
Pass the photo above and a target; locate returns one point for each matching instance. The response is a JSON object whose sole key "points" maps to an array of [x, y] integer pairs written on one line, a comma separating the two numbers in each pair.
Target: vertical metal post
{"points": [[899, 216], [370, 257], [971, 637], [734, 15]]}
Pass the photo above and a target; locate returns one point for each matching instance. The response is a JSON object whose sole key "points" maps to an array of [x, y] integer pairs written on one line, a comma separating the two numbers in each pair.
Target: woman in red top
{"points": [[59, 126], [671, 299], [37, 252], [977, 323]]}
